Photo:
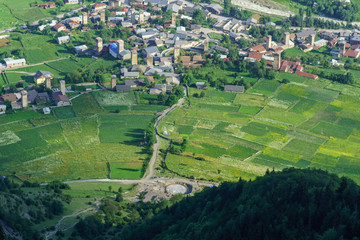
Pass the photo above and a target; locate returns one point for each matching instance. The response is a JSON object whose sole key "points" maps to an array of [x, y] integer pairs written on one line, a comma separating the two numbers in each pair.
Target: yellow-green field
{"points": [[77, 142], [306, 123]]}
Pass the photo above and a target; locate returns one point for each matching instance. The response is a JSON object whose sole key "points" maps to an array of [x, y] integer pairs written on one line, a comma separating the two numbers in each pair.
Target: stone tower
{"points": [[84, 18], [120, 46], [113, 81], [24, 99], [62, 87], [133, 16], [342, 48], [312, 39], [277, 61], [173, 19], [149, 61], [48, 83], [176, 53], [141, 17], [206, 45], [99, 44], [134, 56], [102, 16], [268, 42], [287, 39]]}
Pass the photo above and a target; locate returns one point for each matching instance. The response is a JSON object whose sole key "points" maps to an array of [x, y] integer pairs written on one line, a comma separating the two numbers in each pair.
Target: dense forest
{"points": [[292, 204], [335, 8]]}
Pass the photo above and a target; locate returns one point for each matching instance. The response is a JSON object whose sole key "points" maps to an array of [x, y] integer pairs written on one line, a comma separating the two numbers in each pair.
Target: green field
{"points": [[39, 48], [77, 142], [305, 123]]}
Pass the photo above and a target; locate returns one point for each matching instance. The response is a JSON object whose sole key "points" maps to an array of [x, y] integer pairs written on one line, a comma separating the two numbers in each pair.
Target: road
{"points": [[35, 64]]}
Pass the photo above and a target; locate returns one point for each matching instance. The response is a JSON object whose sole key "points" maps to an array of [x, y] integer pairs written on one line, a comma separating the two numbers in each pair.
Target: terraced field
{"points": [[81, 141], [305, 123]]}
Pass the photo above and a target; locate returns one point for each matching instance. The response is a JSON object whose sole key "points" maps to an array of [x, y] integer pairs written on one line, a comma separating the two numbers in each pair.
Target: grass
{"points": [[39, 48], [126, 170], [95, 189]]}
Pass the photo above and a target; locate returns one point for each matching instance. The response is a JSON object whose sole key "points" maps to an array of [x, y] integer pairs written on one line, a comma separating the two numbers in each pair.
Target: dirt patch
{"points": [[4, 42]]}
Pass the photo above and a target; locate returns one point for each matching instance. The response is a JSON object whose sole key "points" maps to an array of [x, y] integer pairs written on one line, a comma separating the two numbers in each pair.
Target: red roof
{"points": [[351, 53], [355, 46], [258, 48], [59, 25], [110, 24], [124, 9], [98, 5], [305, 74], [256, 55]]}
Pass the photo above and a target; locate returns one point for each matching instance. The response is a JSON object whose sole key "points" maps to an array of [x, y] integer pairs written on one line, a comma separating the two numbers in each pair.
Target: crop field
{"points": [[76, 142], [69, 65], [271, 125]]}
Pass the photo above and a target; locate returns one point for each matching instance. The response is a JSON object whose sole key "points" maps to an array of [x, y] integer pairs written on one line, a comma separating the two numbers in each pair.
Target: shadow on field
{"points": [[128, 169]]}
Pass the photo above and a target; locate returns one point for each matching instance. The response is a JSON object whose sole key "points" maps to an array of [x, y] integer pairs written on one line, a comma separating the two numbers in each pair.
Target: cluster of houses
{"points": [[29, 95]]}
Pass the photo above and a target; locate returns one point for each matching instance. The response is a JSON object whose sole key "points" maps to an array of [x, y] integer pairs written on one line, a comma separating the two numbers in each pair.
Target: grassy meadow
{"points": [[306, 123], [77, 142]]}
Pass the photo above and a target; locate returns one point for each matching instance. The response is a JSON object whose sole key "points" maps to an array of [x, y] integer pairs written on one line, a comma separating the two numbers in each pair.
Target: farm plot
{"points": [[63, 146], [277, 126], [86, 105]]}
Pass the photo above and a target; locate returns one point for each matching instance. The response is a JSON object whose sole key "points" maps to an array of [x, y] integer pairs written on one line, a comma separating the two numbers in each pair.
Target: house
{"points": [[351, 53], [234, 88], [32, 94], [200, 85], [126, 74], [320, 43], [71, 1], [161, 89], [46, 110], [12, 97], [215, 8], [41, 76], [12, 63], [47, 5], [172, 80], [61, 100], [195, 61], [2, 109], [124, 55], [115, 3], [42, 98], [16, 105], [80, 49], [122, 88], [335, 53], [150, 51], [257, 48], [135, 83], [59, 27], [64, 39], [304, 34], [173, 7], [99, 6]]}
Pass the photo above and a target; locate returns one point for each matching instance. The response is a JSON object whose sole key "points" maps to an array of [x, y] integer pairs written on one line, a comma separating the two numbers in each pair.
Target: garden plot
{"points": [[108, 98], [8, 137], [265, 87]]}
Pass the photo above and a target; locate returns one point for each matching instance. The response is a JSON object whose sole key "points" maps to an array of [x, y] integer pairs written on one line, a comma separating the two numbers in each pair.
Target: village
{"points": [[160, 49]]}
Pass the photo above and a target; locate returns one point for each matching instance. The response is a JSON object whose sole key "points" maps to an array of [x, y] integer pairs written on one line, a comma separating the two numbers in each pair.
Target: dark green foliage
{"points": [[293, 204]]}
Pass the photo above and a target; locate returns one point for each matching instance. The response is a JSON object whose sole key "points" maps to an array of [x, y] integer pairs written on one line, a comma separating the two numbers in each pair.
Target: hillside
{"points": [[292, 204]]}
